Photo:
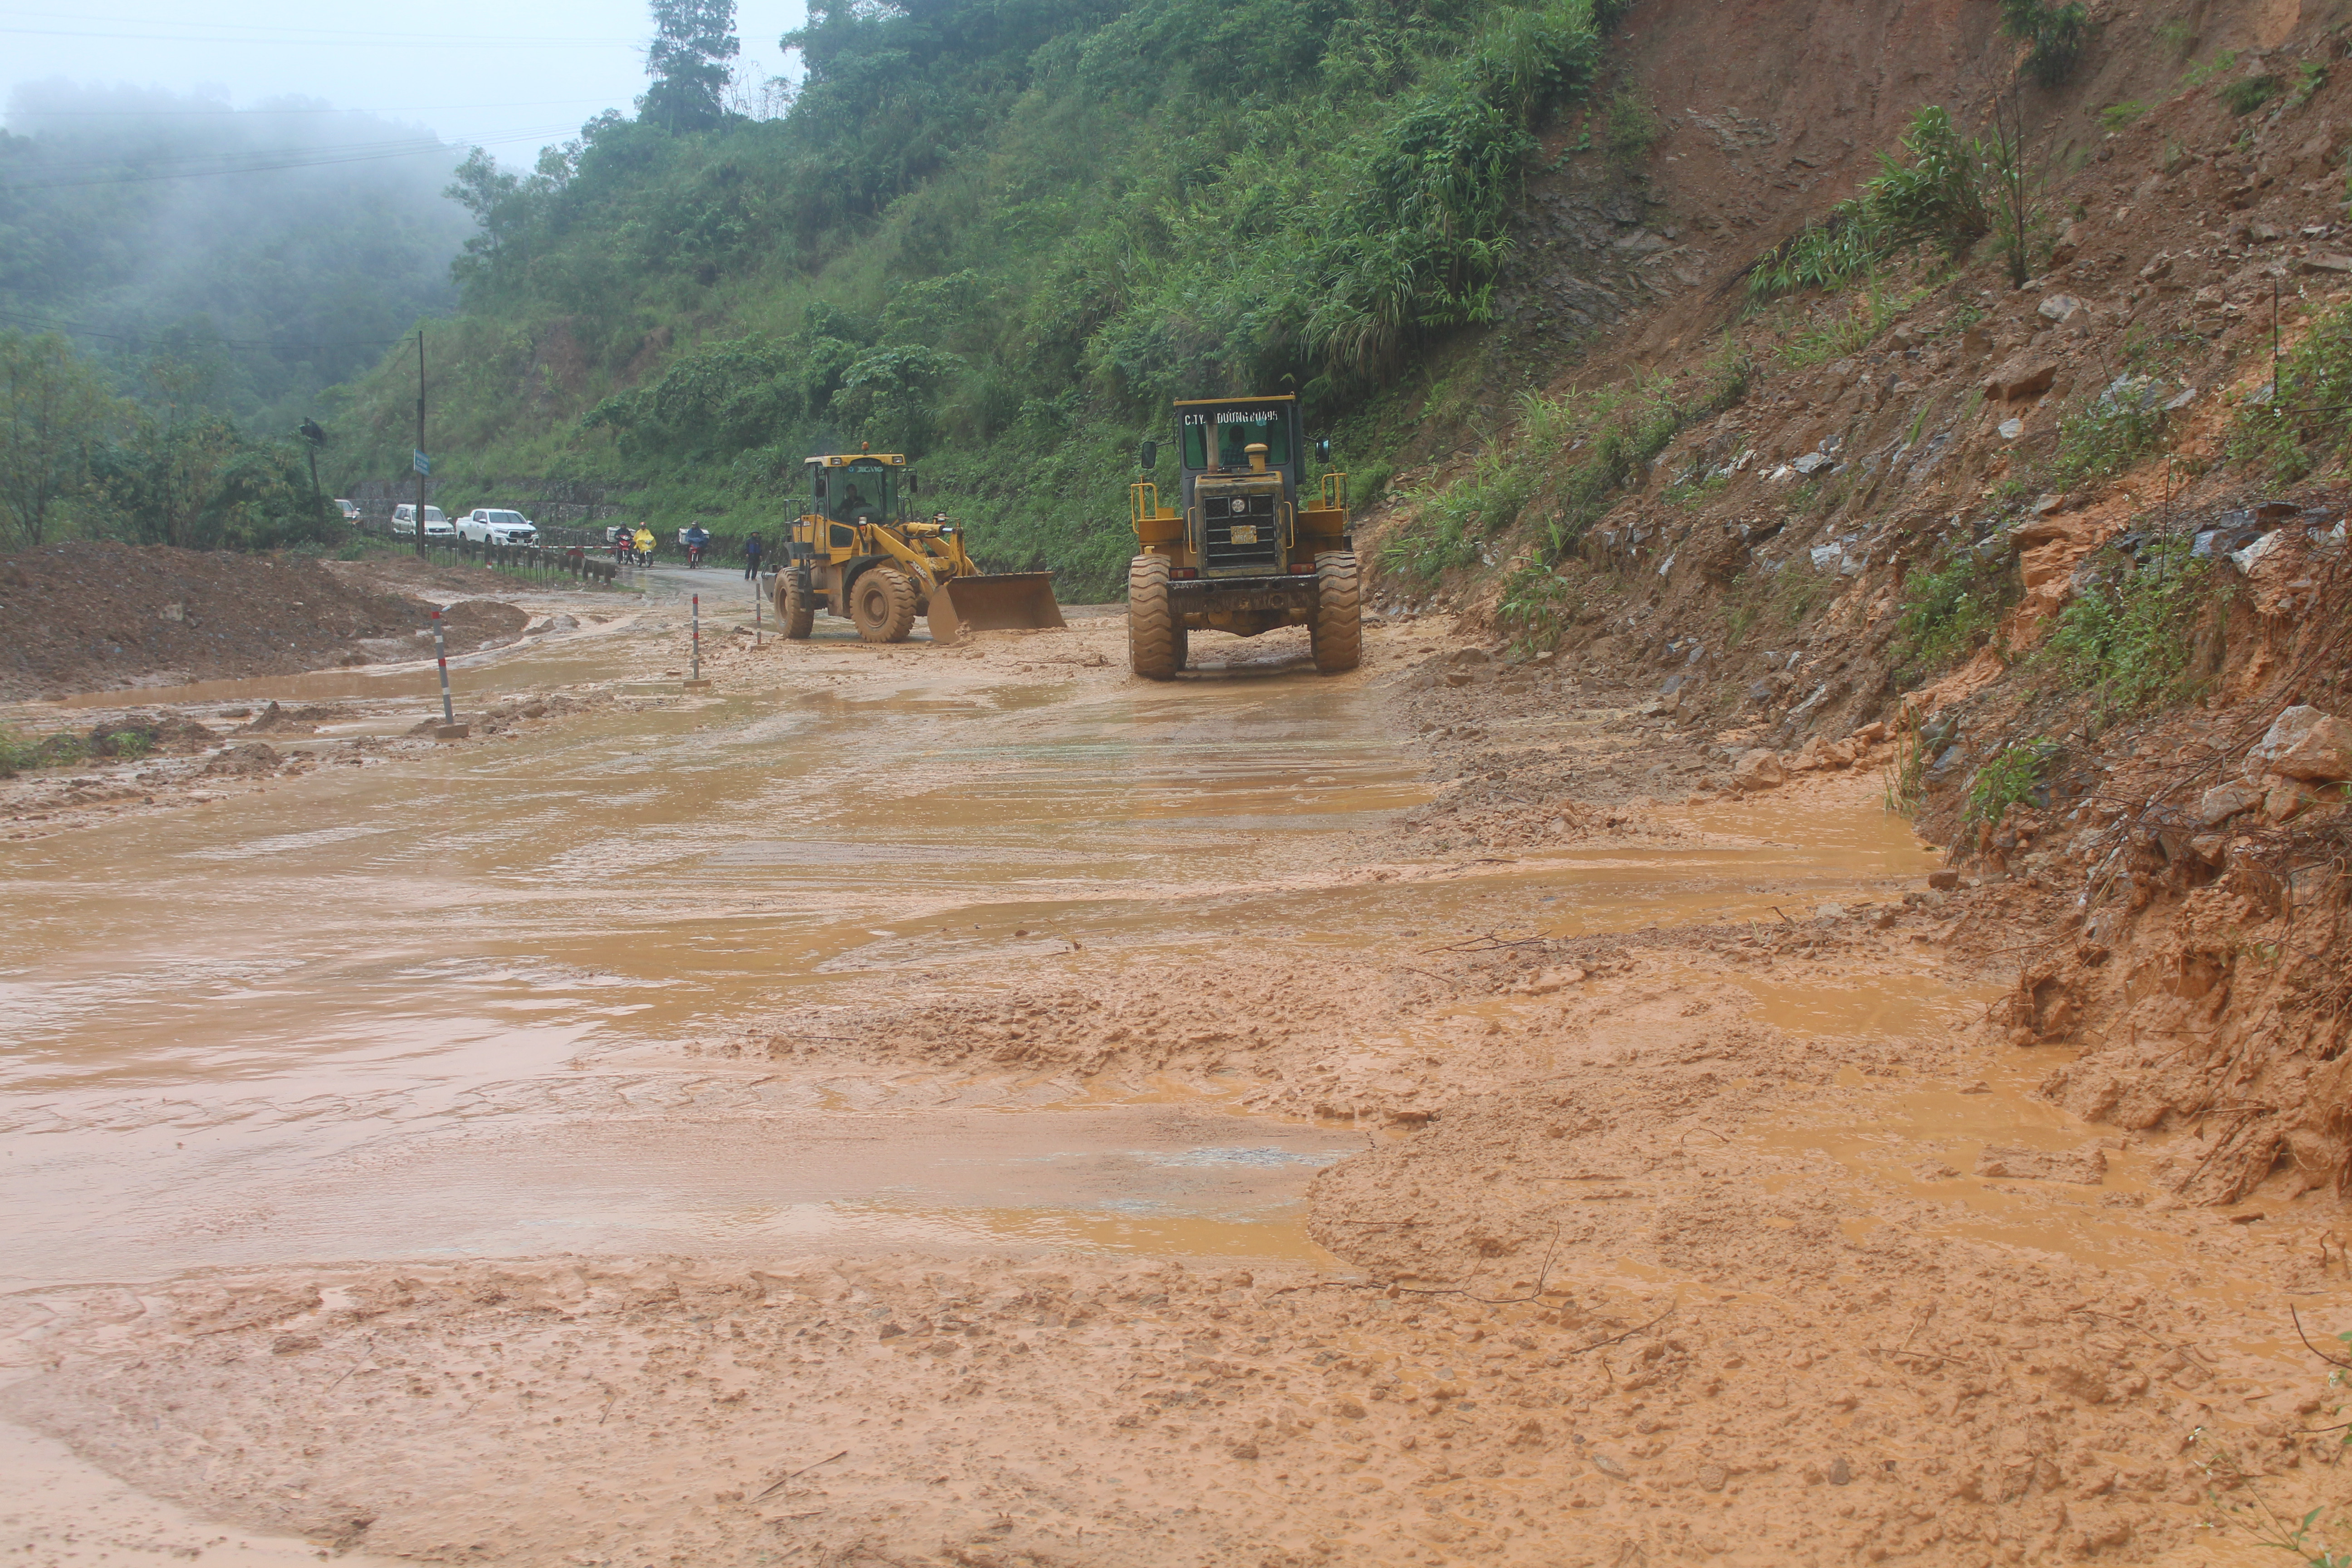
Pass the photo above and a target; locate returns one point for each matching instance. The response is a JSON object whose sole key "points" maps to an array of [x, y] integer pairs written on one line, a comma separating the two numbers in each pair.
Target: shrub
{"points": [[2127, 643], [2249, 93], [2010, 777], [2118, 426], [2315, 375], [131, 743], [1934, 196], [2053, 36], [1539, 605], [1948, 612], [1634, 128], [2115, 116], [1456, 521]]}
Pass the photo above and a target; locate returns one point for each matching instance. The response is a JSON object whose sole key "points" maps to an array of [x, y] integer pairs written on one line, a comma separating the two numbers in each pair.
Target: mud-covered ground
{"points": [[1674, 1199]]}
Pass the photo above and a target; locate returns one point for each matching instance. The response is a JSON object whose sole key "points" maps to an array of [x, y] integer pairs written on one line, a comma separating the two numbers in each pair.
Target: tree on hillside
{"points": [[53, 408], [693, 39]]}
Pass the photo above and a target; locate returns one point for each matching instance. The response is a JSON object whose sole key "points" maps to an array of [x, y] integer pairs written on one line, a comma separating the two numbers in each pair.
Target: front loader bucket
{"points": [[1013, 600]]}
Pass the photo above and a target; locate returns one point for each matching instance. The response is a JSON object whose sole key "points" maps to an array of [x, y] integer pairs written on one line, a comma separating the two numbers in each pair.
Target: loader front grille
{"points": [[1241, 533]]}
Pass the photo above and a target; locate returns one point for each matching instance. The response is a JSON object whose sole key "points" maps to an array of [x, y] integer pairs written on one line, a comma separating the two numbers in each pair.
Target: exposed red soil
{"points": [[94, 616]]}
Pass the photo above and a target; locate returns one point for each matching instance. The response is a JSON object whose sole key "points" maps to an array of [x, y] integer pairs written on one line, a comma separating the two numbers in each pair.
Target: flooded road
{"points": [[435, 1008], [659, 1097]]}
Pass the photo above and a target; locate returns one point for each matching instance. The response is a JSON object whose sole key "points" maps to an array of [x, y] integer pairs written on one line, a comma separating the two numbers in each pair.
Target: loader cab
{"points": [[872, 486], [1240, 459]]}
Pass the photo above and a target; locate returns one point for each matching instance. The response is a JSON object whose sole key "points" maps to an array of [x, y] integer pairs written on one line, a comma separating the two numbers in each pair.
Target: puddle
{"points": [[362, 1016]]}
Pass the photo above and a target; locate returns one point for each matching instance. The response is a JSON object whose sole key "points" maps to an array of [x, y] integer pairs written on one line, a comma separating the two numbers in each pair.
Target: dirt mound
{"points": [[94, 616]]}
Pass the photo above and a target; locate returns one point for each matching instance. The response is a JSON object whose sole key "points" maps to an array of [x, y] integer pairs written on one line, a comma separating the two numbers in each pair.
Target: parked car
{"points": [[350, 508], [403, 520], [491, 525]]}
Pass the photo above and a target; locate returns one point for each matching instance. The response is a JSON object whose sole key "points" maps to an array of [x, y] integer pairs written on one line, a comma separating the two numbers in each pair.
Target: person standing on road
{"points": [[752, 548]]}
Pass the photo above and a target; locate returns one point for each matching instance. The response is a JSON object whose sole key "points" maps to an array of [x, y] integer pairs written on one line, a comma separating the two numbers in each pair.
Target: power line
{"points": [[34, 115], [242, 32], [411, 149], [81, 332]]}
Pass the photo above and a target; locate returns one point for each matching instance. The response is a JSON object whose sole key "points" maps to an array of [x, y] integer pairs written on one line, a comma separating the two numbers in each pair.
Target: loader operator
{"points": [[853, 503]]}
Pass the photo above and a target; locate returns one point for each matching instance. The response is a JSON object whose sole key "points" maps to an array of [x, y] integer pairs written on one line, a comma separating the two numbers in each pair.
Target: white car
{"points": [[351, 510], [490, 525], [403, 520]]}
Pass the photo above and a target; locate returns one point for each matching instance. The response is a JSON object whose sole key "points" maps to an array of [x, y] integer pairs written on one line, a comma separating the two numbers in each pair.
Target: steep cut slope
{"points": [[2072, 548]]}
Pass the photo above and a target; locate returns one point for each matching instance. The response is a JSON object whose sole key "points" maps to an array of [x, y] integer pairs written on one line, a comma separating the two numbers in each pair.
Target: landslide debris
{"points": [[93, 616]]}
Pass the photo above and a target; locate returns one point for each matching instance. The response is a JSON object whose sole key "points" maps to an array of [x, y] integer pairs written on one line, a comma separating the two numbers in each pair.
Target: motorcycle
{"points": [[693, 557]]}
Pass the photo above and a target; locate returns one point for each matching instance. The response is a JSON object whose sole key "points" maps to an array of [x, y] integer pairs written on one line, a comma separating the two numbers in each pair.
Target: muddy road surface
{"points": [[962, 1105]]}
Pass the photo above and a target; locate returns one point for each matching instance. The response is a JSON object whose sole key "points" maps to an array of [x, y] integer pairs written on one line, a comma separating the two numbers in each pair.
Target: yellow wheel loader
{"points": [[1245, 552], [855, 554]]}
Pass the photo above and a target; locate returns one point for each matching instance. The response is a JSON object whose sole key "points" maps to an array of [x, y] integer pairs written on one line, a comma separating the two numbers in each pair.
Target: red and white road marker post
{"points": [[694, 681], [448, 728]]}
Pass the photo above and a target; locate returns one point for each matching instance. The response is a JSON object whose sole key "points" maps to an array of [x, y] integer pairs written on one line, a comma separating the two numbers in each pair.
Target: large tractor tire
{"points": [[795, 603], [882, 603], [1155, 642], [1338, 634]]}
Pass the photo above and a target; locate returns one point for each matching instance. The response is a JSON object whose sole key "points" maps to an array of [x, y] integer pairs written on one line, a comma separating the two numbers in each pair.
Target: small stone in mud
{"points": [[294, 1344], [1711, 1477], [1608, 1467], [1244, 1450], [1943, 881], [1840, 1473]]}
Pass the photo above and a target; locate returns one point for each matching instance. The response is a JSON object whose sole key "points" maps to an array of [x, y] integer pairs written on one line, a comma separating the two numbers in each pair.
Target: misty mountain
{"points": [[274, 248]]}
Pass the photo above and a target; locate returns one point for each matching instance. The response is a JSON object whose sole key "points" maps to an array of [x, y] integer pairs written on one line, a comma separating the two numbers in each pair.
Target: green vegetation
{"points": [[2112, 431], [1539, 603], [2247, 94], [2272, 437], [2115, 116], [2011, 191], [1577, 451], [2053, 36], [274, 284], [2126, 644], [1634, 128], [1934, 196], [999, 238], [1950, 612], [170, 469], [2309, 78], [1870, 315], [2178, 36], [2010, 777], [1455, 521], [2197, 75]]}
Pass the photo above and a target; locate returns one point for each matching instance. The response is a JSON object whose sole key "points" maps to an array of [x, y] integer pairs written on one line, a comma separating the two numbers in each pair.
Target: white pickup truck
{"points": [[490, 525]]}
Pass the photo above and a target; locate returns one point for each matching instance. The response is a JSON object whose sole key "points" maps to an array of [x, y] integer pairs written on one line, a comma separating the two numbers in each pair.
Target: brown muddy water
{"points": [[436, 1008]]}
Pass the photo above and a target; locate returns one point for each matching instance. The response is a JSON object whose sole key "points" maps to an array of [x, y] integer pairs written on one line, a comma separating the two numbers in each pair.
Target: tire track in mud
{"points": [[1653, 1249]]}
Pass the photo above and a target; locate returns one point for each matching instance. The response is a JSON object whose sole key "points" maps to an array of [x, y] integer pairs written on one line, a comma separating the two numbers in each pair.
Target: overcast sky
{"points": [[511, 75]]}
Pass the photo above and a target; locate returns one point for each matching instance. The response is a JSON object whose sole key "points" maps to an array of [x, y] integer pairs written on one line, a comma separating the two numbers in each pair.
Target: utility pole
{"points": [[419, 464]]}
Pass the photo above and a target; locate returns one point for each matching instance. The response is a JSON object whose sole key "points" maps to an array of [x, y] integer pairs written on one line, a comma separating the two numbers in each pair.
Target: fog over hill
{"points": [[277, 247]]}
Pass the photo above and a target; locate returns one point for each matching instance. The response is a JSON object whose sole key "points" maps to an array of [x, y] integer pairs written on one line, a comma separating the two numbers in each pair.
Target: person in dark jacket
{"points": [[752, 558]]}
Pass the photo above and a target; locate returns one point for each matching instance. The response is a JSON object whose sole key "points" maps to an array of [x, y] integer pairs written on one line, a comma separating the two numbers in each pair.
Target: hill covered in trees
{"points": [[996, 236], [266, 252]]}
